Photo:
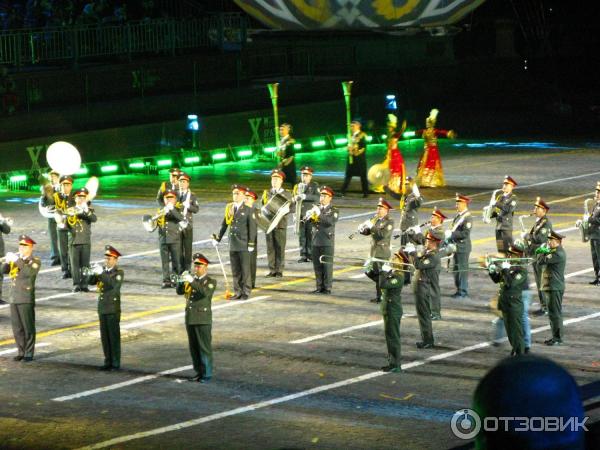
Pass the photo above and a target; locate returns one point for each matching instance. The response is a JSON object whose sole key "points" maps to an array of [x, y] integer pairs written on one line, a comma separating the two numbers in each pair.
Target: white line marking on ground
{"points": [[333, 333], [14, 350], [306, 393], [360, 275]]}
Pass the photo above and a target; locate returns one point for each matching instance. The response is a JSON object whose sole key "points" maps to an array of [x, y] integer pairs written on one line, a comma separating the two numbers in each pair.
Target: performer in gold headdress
{"points": [[429, 170]]}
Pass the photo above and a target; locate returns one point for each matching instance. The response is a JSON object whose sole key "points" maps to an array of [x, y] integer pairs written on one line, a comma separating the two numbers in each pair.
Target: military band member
{"points": [[22, 268], [536, 237], [198, 290], [427, 265], [504, 210], [250, 198], [80, 241], [276, 239], [108, 280], [307, 192], [46, 200], [391, 280], [553, 259], [169, 238], [409, 214], [286, 153], [241, 221], [460, 235], [323, 218], [512, 279], [356, 164], [594, 233], [62, 201], [171, 185], [4, 229], [188, 204], [380, 228]]}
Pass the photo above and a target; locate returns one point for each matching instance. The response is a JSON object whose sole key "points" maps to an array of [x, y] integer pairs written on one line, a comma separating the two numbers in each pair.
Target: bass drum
{"points": [[379, 175], [272, 213]]}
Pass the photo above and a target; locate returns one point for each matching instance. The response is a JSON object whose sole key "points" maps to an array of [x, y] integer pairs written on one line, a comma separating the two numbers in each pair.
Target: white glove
{"points": [[11, 257], [366, 225], [187, 277], [410, 248], [415, 190], [416, 229], [492, 268], [169, 207], [250, 249], [586, 217], [300, 197], [214, 242], [316, 210], [97, 270], [578, 223], [386, 267], [505, 265], [523, 234], [85, 208], [448, 234]]}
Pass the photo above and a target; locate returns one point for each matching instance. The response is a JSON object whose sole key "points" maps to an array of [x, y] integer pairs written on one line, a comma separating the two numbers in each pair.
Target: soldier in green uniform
{"points": [[22, 268], [409, 214], [276, 239], [306, 192], [62, 201], [427, 265], [198, 290], [171, 185], [553, 259], [46, 200], [504, 210], [593, 220], [460, 235], [391, 280], [108, 281], [250, 198], [323, 218], [241, 221], [188, 204], [536, 237], [512, 278], [169, 237], [380, 228], [80, 242], [4, 229], [286, 153], [417, 236], [357, 158]]}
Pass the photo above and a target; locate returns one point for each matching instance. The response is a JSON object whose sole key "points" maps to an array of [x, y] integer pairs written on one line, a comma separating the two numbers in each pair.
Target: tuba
{"points": [[489, 209], [583, 224], [151, 222]]}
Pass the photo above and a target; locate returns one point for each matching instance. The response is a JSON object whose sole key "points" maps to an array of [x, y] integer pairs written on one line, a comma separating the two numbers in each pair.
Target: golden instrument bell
{"points": [[379, 175]]}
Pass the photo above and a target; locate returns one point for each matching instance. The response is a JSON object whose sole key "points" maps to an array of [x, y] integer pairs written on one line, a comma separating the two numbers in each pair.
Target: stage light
{"points": [[409, 134], [244, 152], [82, 171], [319, 143], [269, 149], [219, 156], [390, 102], [384, 136], [109, 168], [136, 165], [369, 138], [191, 160], [341, 141], [18, 178], [297, 146], [164, 162], [192, 122]]}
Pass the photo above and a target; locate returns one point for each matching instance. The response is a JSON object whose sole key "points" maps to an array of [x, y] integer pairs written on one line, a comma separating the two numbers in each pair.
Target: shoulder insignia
{"points": [[426, 261], [119, 277], [549, 256], [513, 203], [469, 224], [519, 276], [35, 265], [543, 231], [211, 286], [389, 227], [394, 281]]}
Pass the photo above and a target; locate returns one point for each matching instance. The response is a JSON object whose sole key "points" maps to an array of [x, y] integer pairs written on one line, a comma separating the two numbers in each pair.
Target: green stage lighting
{"points": [[409, 134], [82, 171], [340, 141], [219, 156], [18, 178], [136, 165], [384, 136], [191, 160], [109, 168], [297, 146], [319, 143], [244, 152], [369, 138], [164, 162], [269, 149]]}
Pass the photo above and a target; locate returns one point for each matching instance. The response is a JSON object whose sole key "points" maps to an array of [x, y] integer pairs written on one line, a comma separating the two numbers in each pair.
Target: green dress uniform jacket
{"points": [[381, 235], [169, 240], [198, 322], [168, 231], [510, 301], [426, 284], [187, 233], [461, 237], [23, 274], [277, 238], [323, 244], [80, 245], [537, 236], [553, 284], [391, 309], [311, 190], [61, 203], [504, 210], [108, 285], [410, 212]]}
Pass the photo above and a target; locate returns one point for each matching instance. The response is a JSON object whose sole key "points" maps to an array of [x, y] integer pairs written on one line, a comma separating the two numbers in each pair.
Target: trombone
{"points": [[361, 262]]}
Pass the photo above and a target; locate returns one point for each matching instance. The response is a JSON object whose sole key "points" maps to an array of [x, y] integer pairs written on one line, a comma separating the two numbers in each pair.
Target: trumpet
{"points": [[489, 209], [6, 220], [424, 224], [184, 276], [583, 224], [309, 213], [150, 222], [96, 269], [367, 224], [361, 262]]}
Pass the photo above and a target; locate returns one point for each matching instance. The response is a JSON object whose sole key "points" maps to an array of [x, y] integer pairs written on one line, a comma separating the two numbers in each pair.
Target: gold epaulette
{"points": [[229, 213], [265, 197], [162, 219], [295, 190], [163, 186]]}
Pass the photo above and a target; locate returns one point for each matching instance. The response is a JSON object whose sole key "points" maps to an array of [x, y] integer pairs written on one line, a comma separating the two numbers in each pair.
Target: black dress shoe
{"points": [[204, 380], [390, 368], [527, 349], [424, 345], [18, 358], [436, 317], [596, 282], [325, 291], [66, 275], [85, 289], [317, 291], [104, 368], [553, 341], [244, 297], [55, 263], [375, 300], [115, 368], [196, 378], [541, 312], [166, 285], [271, 275], [303, 260], [278, 274], [2, 302], [76, 289], [28, 358]]}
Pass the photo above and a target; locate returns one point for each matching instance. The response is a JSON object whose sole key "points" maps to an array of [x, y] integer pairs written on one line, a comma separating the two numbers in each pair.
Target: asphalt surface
{"points": [[324, 391]]}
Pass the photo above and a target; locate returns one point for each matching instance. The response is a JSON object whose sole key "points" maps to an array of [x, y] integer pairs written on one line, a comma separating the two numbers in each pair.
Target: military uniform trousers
{"points": [[537, 272], [305, 240], [199, 338], [170, 252], [22, 317], [290, 172], [595, 246], [403, 241], [110, 334], [504, 239], [323, 272], [423, 293], [53, 233], [63, 249], [461, 273], [555, 313], [373, 274], [187, 237], [253, 257], [392, 315], [276, 240], [240, 269], [358, 168], [512, 313], [80, 258], [435, 297]]}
